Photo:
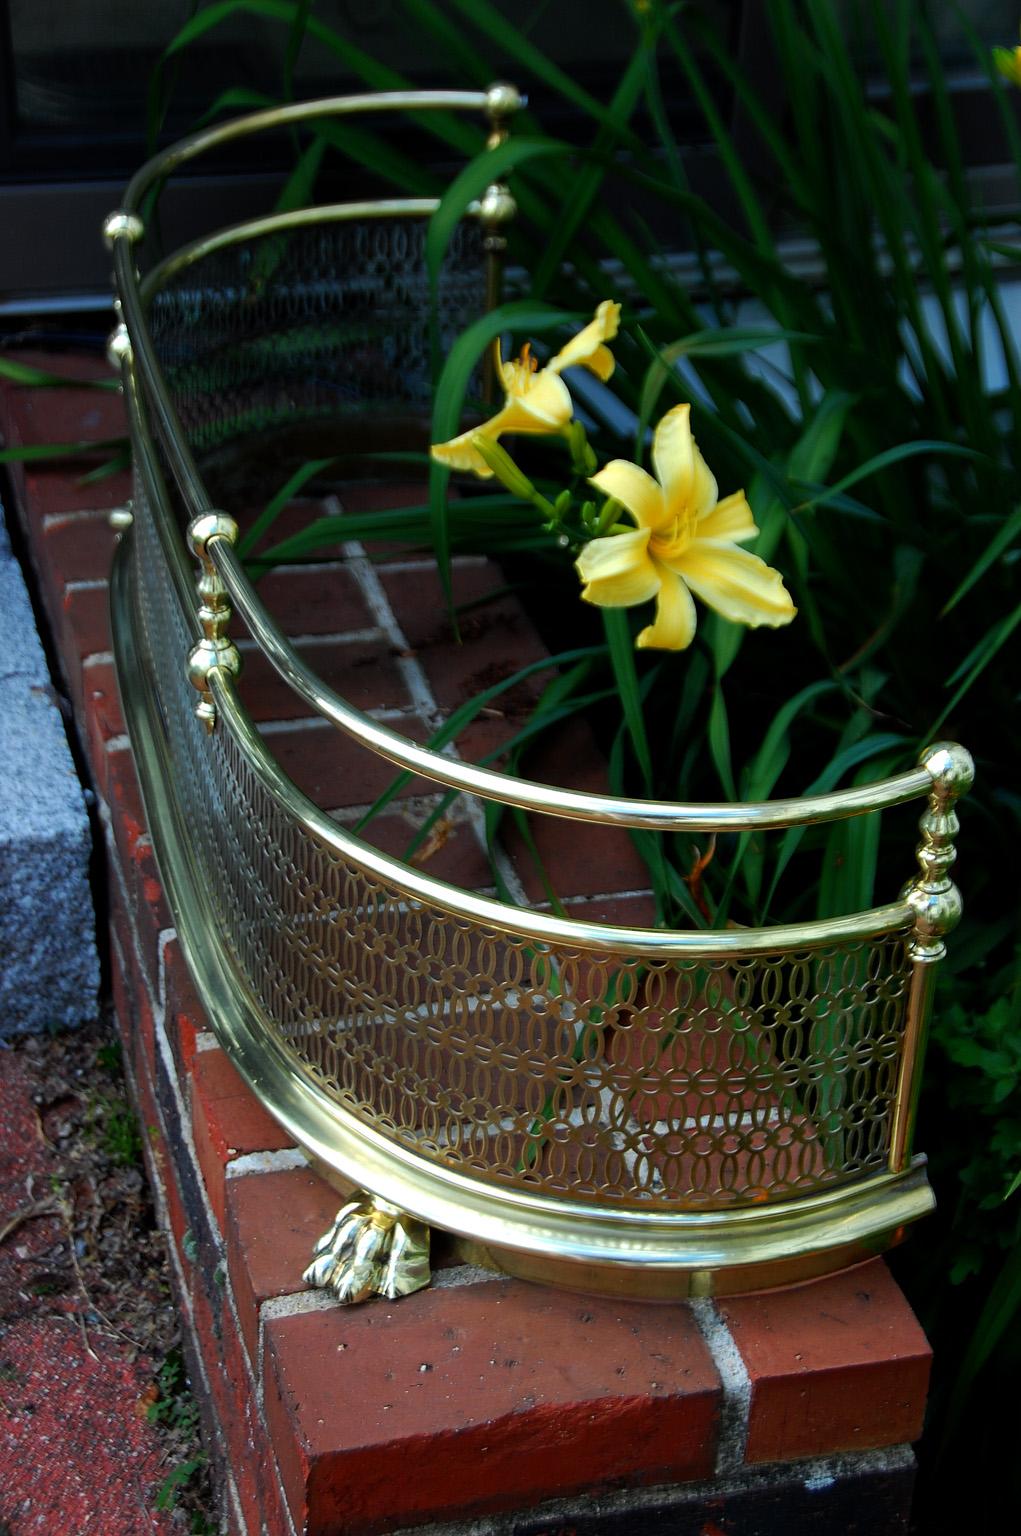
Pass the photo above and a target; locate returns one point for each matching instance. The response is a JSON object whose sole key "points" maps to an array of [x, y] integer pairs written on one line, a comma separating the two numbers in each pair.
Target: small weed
{"points": [[122, 1140], [175, 1405], [177, 1411], [176, 1480], [110, 1056]]}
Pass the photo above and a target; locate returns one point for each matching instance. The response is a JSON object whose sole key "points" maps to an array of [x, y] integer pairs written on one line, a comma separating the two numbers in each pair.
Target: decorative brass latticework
{"points": [[636, 1109]]}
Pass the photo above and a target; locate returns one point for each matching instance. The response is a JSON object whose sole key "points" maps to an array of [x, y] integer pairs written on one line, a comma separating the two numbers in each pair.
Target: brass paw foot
{"points": [[372, 1249]]}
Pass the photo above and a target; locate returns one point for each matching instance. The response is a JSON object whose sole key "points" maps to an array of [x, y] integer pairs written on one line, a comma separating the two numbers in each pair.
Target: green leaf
{"points": [[997, 546], [719, 743], [34, 453], [237, 98], [735, 341], [816, 448], [513, 44], [222, 10], [41, 378], [974, 664], [276, 504], [491, 165], [587, 181], [848, 758], [371, 152], [885, 460], [622, 657]]}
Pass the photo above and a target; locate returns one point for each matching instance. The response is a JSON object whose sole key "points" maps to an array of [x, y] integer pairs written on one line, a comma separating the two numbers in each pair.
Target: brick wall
{"points": [[481, 1404]]}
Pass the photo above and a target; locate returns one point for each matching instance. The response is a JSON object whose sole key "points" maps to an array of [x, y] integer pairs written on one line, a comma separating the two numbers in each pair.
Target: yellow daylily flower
{"points": [[537, 399], [686, 542], [1008, 62]]}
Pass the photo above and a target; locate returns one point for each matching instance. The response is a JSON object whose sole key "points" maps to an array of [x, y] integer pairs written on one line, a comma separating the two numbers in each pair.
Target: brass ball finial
{"points": [[503, 99], [210, 525], [118, 225], [951, 766], [496, 206], [118, 347]]}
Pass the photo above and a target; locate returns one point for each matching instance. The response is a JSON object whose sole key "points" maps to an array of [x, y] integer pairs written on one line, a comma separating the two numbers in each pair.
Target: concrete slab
{"points": [[49, 967]]}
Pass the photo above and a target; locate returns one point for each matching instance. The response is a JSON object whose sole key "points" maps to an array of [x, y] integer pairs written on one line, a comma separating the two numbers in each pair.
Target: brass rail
{"points": [[490, 784]]}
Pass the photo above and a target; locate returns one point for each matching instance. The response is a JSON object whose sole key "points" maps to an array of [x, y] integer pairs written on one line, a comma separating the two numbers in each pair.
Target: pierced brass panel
{"points": [[622, 1078]]}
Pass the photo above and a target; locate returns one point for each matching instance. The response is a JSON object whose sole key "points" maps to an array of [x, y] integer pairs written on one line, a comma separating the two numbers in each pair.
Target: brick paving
{"points": [[77, 1452]]}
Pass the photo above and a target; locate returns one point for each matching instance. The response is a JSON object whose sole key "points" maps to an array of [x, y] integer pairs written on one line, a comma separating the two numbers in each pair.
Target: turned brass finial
{"points": [[933, 895], [502, 101], [118, 347], [215, 649], [122, 226]]}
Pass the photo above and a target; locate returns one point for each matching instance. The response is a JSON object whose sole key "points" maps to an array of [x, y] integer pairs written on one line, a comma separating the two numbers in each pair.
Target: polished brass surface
{"points": [[936, 903], [215, 650], [615, 1108], [122, 226], [372, 1249]]}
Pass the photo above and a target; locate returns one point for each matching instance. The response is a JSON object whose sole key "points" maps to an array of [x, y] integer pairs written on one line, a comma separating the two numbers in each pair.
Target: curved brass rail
{"points": [[490, 784]]}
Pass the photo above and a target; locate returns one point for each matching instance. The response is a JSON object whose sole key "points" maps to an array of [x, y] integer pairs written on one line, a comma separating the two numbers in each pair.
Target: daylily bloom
{"points": [[686, 542], [1008, 62], [537, 399]]}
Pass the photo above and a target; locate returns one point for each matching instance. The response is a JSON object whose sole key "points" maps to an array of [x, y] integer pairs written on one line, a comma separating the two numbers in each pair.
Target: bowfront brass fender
{"points": [[630, 1110]]}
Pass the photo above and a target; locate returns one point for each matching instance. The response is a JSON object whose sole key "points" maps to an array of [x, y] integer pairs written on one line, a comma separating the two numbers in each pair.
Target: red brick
{"points": [[83, 627], [36, 416], [239, 1421], [356, 497], [227, 1121], [315, 601], [150, 912], [496, 637], [74, 548], [134, 1020], [837, 1365], [363, 672], [450, 852], [61, 487], [456, 1402], [335, 771], [273, 1222], [102, 718], [185, 1015], [137, 1009]]}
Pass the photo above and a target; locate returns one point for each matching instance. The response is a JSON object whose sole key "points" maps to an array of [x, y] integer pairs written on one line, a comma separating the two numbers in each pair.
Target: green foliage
{"points": [[176, 1409], [110, 1119]]}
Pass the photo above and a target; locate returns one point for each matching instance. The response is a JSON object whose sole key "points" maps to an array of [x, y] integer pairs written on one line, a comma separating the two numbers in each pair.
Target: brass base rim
{"points": [[681, 1281], [584, 1246]]}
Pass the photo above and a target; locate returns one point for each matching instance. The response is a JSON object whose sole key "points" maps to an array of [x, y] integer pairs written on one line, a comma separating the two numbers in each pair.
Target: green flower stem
{"points": [[608, 519], [583, 458], [514, 479]]}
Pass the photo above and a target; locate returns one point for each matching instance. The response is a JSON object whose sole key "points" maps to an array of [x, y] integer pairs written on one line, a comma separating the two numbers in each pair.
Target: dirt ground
{"points": [[98, 1428]]}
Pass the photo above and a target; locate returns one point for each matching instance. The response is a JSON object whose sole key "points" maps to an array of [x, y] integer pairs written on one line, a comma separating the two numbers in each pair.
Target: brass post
{"points": [[496, 208], [214, 649], [937, 906]]}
